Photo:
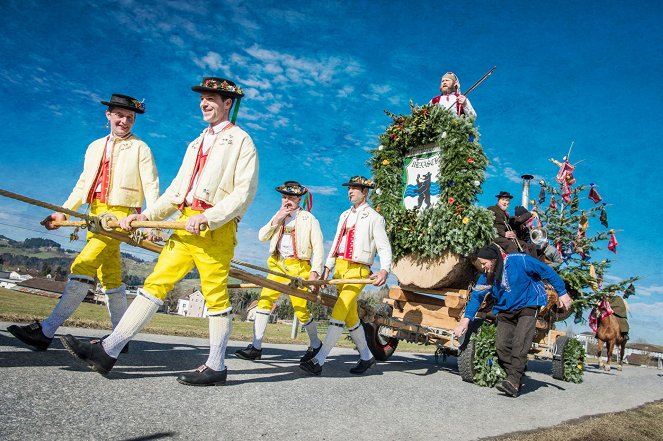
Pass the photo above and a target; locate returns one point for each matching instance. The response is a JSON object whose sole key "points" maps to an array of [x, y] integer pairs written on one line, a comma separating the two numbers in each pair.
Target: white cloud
{"points": [[157, 135], [254, 126], [280, 122], [176, 41], [345, 91], [646, 309], [648, 290], [324, 190], [381, 90], [395, 99], [512, 175], [257, 83], [275, 108], [87, 93], [211, 60], [273, 68], [308, 71], [236, 58]]}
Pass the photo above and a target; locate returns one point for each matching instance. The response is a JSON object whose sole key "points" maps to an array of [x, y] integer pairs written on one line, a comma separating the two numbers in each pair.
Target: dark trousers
{"points": [[515, 332]]}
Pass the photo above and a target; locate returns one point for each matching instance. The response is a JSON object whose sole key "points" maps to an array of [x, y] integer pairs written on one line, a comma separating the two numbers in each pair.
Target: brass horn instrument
{"points": [[508, 228], [538, 236]]}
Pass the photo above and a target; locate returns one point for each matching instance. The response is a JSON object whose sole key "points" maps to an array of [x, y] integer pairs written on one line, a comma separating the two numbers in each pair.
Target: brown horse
{"points": [[608, 332]]}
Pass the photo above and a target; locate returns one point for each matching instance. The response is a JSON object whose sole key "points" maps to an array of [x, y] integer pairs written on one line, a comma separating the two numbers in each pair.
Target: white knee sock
{"points": [[359, 339], [116, 301], [138, 315], [73, 295], [259, 326], [312, 331], [333, 334], [220, 328]]}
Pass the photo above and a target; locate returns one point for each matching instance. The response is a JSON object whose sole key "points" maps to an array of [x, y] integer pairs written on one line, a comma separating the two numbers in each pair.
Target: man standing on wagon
{"points": [[296, 249], [516, 283], [360, 234], [451, 98], [118, 173], [213, 188]]}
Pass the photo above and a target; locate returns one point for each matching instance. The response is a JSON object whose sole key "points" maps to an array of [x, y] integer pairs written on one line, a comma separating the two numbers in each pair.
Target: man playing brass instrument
{"points": [[507, 238]]}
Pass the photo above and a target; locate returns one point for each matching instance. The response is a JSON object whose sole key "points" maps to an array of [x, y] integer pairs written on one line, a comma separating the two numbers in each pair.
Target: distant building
{"points": [[644, 354], [193, 305], [251, 312], [15, 275], [587, 338], [42, 287]]}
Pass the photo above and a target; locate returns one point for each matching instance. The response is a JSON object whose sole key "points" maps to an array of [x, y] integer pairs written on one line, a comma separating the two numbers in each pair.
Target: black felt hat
{"points": [[292, 188], [219, 85], [125, 102], [504, 194], [520, 210], [359, 181]]}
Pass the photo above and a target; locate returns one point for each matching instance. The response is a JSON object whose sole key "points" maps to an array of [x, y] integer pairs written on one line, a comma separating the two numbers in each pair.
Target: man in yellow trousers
{"points": [[118, 173], [360, 235], [296, 249], [213, 188]]}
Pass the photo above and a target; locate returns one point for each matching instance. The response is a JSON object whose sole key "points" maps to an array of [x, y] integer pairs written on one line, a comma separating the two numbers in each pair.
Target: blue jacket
{"points": [[522, 285]]}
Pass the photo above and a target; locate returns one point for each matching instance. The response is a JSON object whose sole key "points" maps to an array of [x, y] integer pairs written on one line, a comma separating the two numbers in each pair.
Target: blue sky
{"points": [[318, 76]]}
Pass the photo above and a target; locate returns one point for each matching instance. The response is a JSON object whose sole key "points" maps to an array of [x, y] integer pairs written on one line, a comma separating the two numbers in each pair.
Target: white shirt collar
{"points": [[220, 126], [359, 208]]}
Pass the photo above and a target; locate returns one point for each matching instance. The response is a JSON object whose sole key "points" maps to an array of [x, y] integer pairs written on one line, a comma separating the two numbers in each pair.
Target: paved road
{"points": [[48, 395]]}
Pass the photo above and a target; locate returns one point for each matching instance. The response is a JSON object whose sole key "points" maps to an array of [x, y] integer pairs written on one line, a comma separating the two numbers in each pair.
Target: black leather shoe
{"points": [[508, 388], [362, 366], [31, 335], [311, 366], [250, 353], [94, 341], [204, 376], [93, 354], [310, 353]]}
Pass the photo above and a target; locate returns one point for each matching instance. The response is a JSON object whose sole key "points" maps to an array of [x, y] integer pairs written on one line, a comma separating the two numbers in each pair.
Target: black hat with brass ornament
{"points": [[125, 102]]}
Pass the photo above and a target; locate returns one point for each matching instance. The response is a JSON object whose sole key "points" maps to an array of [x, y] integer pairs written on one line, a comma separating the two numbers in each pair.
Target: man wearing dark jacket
{"points": [[507, 227], [516, 283]]}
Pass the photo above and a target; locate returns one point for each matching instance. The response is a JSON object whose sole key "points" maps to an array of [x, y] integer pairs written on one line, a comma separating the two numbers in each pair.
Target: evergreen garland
{"points": [[574, 361], [487, 371], [455, 223]]}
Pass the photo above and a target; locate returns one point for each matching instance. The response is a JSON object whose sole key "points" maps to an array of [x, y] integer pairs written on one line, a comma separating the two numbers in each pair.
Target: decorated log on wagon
{"points": [[428, 171]]}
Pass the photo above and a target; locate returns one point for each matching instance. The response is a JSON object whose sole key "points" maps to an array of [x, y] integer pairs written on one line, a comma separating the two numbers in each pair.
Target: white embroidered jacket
{"points": [[228, 181], [369, 238], [133, 174], [308, 239]]}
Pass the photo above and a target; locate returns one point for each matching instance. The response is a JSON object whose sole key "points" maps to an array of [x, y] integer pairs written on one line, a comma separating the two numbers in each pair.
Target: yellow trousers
{"points": [[345, 309], [101, 255], [211, 253], [292, 267]]}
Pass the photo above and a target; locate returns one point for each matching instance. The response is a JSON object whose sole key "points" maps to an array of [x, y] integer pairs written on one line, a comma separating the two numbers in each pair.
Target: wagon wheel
{"points": [[381, 347], [466, 362], [558, 357]]}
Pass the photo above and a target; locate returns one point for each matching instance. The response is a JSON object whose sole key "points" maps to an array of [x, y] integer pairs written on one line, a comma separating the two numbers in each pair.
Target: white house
{"points": [[251, 312], [193, 305]]}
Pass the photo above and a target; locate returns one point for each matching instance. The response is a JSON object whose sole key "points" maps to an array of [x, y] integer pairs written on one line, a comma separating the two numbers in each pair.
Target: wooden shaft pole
{"points": [[310, 282], [134, 224], [324, 299]]}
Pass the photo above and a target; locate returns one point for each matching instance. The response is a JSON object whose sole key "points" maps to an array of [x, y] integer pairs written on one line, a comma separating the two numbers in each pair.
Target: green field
{"points": [[20, 307]]}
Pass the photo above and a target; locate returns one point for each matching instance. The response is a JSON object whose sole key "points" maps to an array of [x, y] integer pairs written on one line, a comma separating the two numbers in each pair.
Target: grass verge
{"points": [[20, 307], [643, 423]]}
